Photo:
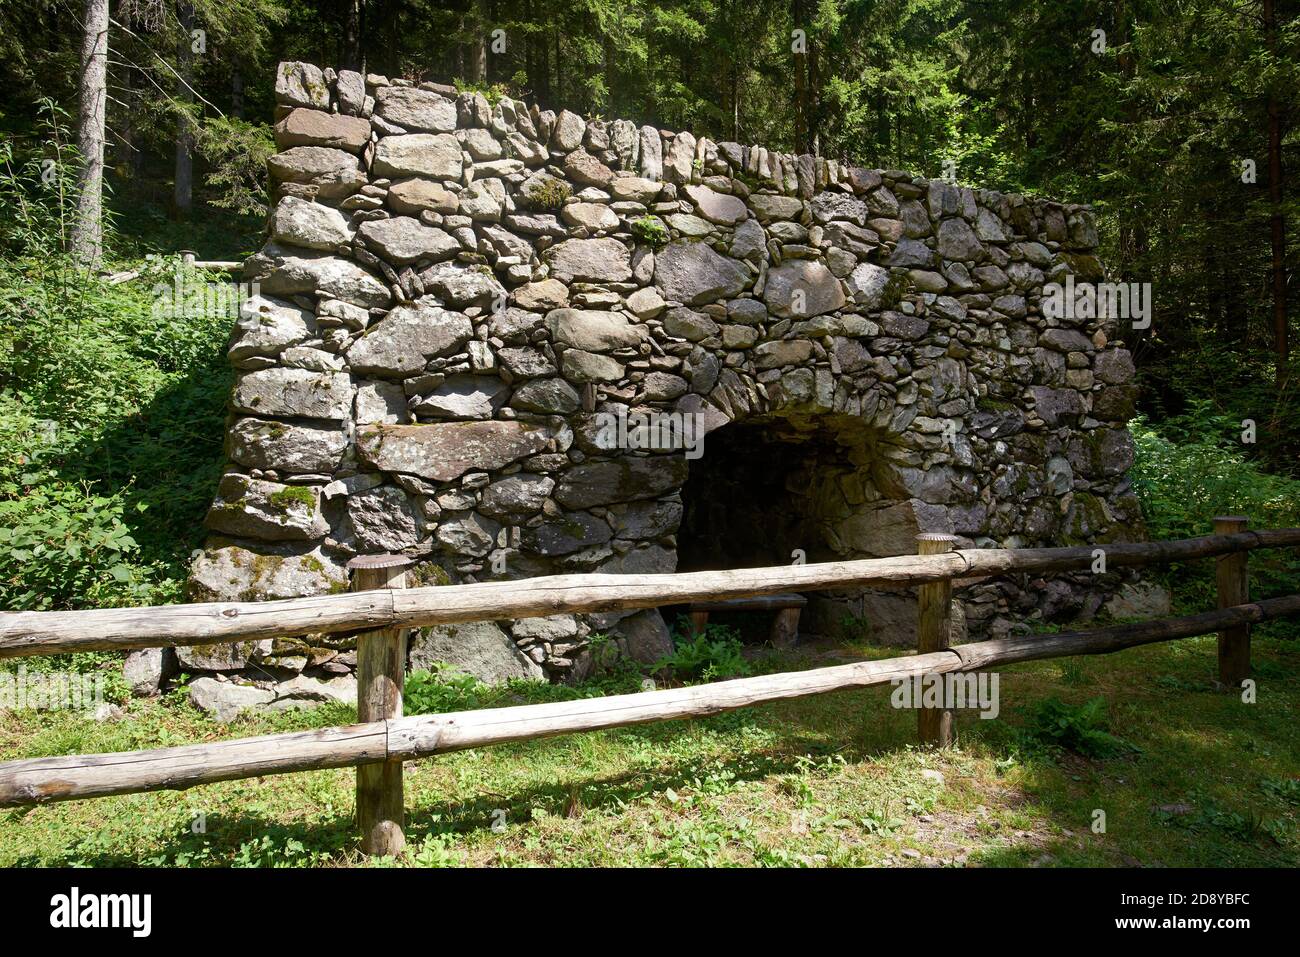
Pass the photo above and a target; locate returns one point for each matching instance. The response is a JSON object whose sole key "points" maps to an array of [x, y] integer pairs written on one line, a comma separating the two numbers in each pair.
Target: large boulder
{"points": [[891, 529], [290, 448], [285, 271], [225, 700], [590, 260], [384, 519], [802, 288], [421, 111], [298, 393], [251, 508], [468, 535], [828, 206], [320, 171], [301, 84], [414, 195], [229, 572], [436, 155], [297, 222], [581, 167], [266, 327], [869, 286], [646, 636], [460, 285], [477, 648], [407, 338], [304, 127], [590, 216], [749, 242], [404, 239], [464, 397], [769, 207], [692, 273], [516, 496], [1054, 405], [1141, 600], [620, 480], [445, 451], [719, 208], [592, 330], [145, 670], [550, 396], [956, 240], [568, 533]]}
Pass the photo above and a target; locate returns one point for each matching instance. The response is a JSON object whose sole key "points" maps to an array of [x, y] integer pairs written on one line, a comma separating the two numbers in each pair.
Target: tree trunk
{"points": [[559, 73], [607, 58], [132, 138], [236, 93], [479, 48], [735, 102], [460, 53], [88, 230], [1277, 225], [814, 101], [183, 185], [352, 56], [801, 144]]}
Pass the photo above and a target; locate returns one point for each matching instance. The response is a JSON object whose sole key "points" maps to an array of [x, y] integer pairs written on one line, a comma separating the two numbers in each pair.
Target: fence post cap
{"points": [[379, 561], [936, 537], [1232, 518]]}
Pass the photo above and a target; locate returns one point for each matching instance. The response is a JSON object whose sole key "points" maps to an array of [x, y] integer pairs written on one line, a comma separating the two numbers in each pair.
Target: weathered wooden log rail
{"points": [[162, 626], [384, 608]]}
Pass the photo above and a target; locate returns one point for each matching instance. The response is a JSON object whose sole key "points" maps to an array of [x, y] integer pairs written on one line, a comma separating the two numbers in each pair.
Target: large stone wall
{"points": [[452, 291]]}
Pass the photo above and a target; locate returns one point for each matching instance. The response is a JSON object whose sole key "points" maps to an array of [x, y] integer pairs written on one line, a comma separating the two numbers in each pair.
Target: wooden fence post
{"points": [[381, 672], [1232, 574], [933, 614]]}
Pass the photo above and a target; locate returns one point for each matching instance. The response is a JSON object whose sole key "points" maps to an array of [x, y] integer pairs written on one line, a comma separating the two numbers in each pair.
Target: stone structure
{"points": [[453, 291]]}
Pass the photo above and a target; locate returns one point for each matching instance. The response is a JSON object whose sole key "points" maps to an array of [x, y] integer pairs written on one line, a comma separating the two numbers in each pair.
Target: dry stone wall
{"points": [[454, 291]]}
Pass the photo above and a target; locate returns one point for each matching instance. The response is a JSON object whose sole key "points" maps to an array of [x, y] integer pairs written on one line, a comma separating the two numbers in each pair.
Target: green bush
{"points": [[711, 655], [112, 414], [237, 151], [442, 689], [1057, 726], [1187, 471], [651, 230], [549, 195]]}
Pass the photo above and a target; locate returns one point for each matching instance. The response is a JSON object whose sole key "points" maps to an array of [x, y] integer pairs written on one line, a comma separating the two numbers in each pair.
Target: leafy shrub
{"points": [[112, 415], [1058, 726], [651, 230], [442, 689], [856, 628], [549, 195], [237, 152], [62, 545], [711, 655], [1286, 790], [38, 191], [111, 421], [492, 92], [1185, 473]]}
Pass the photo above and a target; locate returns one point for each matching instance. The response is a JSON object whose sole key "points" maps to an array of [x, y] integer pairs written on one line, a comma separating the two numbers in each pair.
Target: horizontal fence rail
{"points": [[43, 780], [381, 609], [122, 629]]}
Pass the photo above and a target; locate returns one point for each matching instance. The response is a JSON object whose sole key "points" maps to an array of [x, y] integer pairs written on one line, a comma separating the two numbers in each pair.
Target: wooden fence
{"points": [[381, 610]]}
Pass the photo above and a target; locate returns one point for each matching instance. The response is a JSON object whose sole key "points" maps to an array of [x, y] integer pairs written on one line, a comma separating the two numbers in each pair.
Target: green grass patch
{"points": [[833, 780]]}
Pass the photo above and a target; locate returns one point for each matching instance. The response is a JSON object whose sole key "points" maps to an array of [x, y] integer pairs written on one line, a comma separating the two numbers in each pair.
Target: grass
{"points": [[833, 780]]}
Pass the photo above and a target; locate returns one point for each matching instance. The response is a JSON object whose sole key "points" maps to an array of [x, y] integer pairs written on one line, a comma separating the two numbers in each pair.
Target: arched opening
{"points": [[770, 490]]}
